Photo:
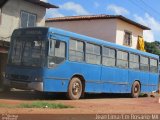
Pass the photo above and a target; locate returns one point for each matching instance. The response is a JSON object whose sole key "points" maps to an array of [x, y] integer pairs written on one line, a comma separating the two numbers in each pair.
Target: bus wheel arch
{"points": [[79, 81], [135, 89]]}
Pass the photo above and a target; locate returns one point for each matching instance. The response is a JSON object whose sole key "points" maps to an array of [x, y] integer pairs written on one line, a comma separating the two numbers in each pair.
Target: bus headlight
{"points": [[38, 79]]}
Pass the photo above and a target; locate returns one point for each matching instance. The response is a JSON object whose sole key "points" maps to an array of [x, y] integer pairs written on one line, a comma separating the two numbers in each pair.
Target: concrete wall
{"points": [[120, 32], [104, 29], [11, 16]]}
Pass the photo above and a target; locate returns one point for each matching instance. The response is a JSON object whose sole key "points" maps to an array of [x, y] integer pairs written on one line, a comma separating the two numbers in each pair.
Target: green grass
{"points": [[143, 95], [37, 104], [43, 105], [4, 105]]}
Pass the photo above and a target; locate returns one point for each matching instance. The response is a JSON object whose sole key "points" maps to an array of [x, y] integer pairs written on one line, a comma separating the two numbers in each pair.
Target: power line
{"points": [[137, 5], [144, 8], [158, 13]]}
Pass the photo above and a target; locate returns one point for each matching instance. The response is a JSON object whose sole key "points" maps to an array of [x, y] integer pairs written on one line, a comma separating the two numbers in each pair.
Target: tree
{"points": [[153, 47]]}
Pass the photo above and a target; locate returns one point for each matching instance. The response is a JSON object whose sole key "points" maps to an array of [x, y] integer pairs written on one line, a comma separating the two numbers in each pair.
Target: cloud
{"points": [[53, 13], [117, 9], [96, 4], [74, 7], [148, 36], [151, 22], [44, 0]]}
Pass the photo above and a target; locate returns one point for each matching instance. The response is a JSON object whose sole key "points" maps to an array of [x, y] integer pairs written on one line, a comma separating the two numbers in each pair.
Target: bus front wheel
{"points": [[74, 89], [135, 91]]}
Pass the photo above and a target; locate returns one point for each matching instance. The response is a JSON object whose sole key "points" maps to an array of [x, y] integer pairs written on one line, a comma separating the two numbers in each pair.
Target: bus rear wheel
{"points": [[74, 89], [135, 91]]}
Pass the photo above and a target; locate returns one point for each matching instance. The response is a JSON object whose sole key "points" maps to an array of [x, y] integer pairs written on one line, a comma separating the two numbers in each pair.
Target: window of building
{"points": [[153, 65], [134, 61], [122, 59], [0, 15], [28, 19], [127, 39], [109, 55], [144, 63], [76, 50], [93, 53]]}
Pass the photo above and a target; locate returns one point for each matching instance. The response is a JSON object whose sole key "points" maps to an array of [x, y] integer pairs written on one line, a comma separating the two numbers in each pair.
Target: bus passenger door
{"points": [[56, 77]]}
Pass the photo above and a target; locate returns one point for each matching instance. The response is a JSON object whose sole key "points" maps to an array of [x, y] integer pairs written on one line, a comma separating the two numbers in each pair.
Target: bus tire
{"points": [[136, 88], [74, 89]]}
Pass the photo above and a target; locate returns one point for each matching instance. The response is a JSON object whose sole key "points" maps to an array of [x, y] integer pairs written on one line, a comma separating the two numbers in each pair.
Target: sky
{"points": [[145, 12]]}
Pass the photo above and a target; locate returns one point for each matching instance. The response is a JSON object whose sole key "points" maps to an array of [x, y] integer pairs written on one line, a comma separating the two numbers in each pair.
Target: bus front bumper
{"points": [[24, 85]]}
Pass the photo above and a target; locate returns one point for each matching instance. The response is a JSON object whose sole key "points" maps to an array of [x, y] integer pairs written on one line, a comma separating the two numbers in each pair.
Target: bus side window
{"points": [[93, 53], [154, 65], [133, 61], [60, 49], [109, 56], [122, 59], [57, 53], [51, 49], [144, 63], [76, 50]]}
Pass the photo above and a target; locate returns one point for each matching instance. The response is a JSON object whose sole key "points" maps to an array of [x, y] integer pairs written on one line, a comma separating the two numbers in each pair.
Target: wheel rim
{"points": [[136, 88], [76, 88]]}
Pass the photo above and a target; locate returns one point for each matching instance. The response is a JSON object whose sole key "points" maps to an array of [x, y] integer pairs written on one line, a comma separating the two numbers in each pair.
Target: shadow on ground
{"points": [[34, 95]]}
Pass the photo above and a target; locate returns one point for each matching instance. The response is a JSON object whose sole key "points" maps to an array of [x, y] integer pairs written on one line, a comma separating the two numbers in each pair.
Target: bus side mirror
{"points": [[57, 44], [51, 48], [50, 44]]}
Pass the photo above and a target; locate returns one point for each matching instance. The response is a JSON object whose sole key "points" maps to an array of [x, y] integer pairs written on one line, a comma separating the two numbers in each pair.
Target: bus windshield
{"points": [[27, 51]]}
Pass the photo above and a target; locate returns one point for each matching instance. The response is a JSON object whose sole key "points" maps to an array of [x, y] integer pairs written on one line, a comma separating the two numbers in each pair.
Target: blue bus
{"points": [[53, 60]]}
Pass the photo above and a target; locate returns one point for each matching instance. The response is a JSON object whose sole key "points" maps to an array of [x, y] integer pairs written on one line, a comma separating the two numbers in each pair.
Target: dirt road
{"points": [[92, 104]]}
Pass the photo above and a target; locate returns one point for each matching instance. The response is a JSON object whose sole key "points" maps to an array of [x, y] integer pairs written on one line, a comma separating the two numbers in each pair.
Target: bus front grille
{"points": [[14, 77]]}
